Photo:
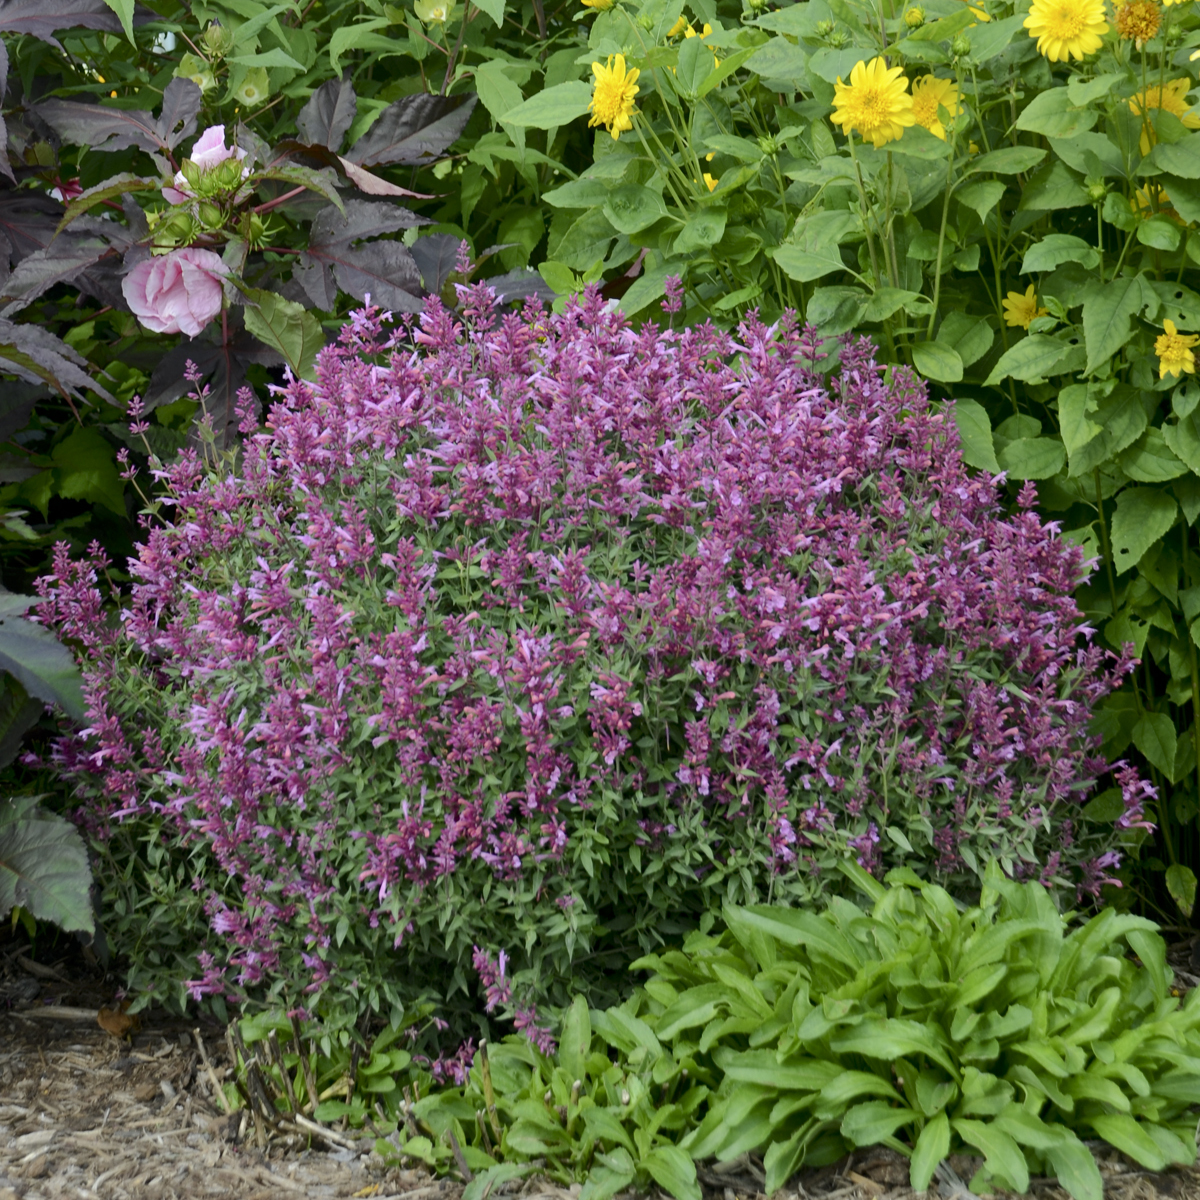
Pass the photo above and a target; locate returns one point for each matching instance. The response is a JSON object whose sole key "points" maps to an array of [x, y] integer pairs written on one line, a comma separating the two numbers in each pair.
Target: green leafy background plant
{"points": [[1002, 1031]]}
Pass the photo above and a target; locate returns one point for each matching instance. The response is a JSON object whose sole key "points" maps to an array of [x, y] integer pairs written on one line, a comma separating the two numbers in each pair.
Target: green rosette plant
{"points": [[998, 1031]]}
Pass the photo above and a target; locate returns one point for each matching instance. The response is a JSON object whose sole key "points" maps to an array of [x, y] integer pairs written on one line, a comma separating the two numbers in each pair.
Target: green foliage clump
{"points": [[917, 1025]]}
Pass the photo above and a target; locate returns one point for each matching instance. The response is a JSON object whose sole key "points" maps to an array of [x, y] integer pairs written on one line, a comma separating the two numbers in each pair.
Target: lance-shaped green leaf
{"points": [[932, 1147], [1004, 1159], [671, 1168], [551, 107], [43, 866]]}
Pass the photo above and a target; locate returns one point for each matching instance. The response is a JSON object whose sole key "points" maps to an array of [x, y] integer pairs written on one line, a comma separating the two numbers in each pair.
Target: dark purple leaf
{"points": [[181, 103], [35, 354], [519, 285], [28, 220], [68, 257], [383, 269], [42, 18], [316, 278], [372, 185], [329, 113], [414, 130], [101, 128], [4, 164], [3, 74], [16, 404], [435, 255]]}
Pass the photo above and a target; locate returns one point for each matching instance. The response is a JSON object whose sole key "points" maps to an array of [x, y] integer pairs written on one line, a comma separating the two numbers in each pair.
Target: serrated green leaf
{"points": [[43, 866], [1143, 515], [285, 326], [1107, 316]]}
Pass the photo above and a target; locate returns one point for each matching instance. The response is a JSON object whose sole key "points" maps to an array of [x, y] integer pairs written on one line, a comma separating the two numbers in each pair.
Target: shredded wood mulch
{"points": [[86, 1112]]}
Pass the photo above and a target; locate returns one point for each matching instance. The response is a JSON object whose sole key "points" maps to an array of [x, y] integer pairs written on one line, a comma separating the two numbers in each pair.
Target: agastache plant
{"points": [[516, 642]]}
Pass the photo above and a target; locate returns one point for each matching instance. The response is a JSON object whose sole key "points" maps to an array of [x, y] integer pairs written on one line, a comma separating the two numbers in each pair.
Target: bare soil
{"points": [[85, 1113]]}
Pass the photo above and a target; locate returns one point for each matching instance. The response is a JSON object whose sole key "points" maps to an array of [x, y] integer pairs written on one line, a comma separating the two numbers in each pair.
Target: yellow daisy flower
{"points": [[1170, 98], [928, 95], [978, 13], [679, 27], [600, 4], [1138, 21], [1174, 350], [875, 103], [1067, 29], [1021, 309], [712, 183], [612, 96]]}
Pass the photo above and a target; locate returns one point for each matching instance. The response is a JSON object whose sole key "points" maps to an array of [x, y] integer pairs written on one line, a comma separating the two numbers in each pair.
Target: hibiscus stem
{"points": [[270, 204]]}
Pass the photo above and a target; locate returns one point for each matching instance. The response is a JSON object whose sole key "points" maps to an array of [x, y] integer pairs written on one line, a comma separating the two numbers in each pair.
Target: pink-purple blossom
{"points": [[208, 152], [525, 630]]}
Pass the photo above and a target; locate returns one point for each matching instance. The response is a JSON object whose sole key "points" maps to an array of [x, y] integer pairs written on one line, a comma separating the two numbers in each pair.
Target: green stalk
{"points": [[862, 198]]}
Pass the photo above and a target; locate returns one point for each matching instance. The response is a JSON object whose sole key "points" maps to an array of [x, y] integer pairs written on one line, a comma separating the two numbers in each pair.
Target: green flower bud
{"points": [[756, 6], [218, 40], [824, 28], [227, 175], [839, 39], [768, 146], [645, 22], [961, 46], [1096, 189], [210, 215], [192, 173], [914, 17]]}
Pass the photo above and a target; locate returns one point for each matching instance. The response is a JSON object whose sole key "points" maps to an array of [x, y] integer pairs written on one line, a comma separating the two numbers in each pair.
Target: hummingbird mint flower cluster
{"points": [[538, 634]]}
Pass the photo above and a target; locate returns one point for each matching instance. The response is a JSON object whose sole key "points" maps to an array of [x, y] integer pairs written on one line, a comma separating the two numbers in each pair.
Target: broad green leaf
{"points": [[42, 664], [836, 310], [1181, 158], [1032, 458], [671, 1168], [1097, 1020], [981, 197], [500, 95], [867, 1124], [1052, 114], [1032, 359], [805, 265], [85, 469], [697, 1006], [285, 326], [694, 66], [886, 301], [1183, 439], [1005, 1160], [1143, 515], [1055, 249], [975, 429], [43, 866], [1053, 186], [353, 37], [1181, 884], [971, 336], [1083, 91], [630, 208], [702, 231], [1010, 160], [1150, 459], [1107, 314], [934, 360], [1159, 232], [932, 1147], [553, 106]]}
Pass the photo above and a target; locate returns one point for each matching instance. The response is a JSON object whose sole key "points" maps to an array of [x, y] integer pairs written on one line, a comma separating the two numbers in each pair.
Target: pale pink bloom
{"points": [[208, 152], [177, 293]]}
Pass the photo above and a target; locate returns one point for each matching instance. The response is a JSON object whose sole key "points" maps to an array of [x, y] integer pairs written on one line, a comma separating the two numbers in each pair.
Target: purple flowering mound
{"points": [[537, 634]]}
